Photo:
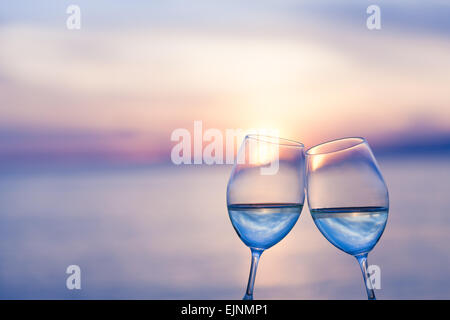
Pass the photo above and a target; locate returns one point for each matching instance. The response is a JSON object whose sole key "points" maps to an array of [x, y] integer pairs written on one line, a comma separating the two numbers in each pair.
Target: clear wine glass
{"points": [[265, 194], [348, 198]]}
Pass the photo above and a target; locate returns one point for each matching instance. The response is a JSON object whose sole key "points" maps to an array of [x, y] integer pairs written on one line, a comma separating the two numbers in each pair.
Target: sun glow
{"points": [[263, 152]]}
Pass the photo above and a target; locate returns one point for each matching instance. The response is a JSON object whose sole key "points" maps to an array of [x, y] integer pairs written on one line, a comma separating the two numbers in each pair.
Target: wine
{"points": [[354, 230], [261, 226]]}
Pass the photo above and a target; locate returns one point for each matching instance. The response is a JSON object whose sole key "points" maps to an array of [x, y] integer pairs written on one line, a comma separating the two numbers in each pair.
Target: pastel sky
{"points": [[136, 71]]}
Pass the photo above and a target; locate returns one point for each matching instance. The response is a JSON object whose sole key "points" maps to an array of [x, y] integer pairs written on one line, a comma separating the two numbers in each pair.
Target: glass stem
{"points": [[362, 260], [256, 254]]}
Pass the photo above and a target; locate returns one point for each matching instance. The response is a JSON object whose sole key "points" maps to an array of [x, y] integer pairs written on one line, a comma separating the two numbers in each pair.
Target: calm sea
{"points": [[164, 233]]}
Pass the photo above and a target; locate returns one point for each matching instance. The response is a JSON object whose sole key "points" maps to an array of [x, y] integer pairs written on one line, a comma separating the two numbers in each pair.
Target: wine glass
{"points": [[348, 198], [265, 194]]}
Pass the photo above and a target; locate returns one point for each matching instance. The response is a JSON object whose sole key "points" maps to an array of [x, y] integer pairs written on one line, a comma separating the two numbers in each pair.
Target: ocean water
{"points": [[163, 232]]}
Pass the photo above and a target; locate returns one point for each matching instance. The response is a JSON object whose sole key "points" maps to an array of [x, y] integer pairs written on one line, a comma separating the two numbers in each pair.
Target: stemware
{"points": [[348, 198], [265, 194]]}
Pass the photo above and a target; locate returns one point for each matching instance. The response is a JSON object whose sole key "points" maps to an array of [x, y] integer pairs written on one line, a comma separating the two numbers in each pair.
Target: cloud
{"points": [[21, 145], [267, 66]]}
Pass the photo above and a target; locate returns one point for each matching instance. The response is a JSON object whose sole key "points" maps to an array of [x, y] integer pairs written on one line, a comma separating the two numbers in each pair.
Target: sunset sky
{"points": [[86, 124], [136, 71]]}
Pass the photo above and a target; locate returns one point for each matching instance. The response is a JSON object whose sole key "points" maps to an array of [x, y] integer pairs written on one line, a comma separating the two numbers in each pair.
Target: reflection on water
{"points": [[164, 232]]}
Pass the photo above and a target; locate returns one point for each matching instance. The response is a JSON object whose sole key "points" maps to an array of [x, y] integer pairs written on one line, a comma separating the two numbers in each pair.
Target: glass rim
{"points": [[360, 140], [275, 140]]}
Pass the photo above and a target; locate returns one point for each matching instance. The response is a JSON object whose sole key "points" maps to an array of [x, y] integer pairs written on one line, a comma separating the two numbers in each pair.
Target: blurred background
{"points": [[86, 118]]}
